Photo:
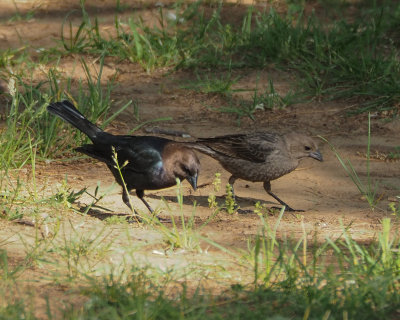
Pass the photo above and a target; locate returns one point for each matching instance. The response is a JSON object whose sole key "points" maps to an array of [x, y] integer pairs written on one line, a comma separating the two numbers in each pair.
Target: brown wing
{"points": [[256, 147]]}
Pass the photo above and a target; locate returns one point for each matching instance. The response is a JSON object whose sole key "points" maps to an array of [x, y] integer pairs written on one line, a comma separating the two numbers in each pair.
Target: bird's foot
{"points": [[149, 219], [134, 219], [244, 211], [163, 220], [288, 209], [293, 210]]}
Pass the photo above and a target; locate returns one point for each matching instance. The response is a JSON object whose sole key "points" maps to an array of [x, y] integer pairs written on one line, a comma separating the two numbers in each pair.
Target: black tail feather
{"points": [[67, 111]]}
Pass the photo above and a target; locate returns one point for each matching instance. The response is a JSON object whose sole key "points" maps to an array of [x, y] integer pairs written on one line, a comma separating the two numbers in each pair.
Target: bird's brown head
{"points": [[302, 146], [184, 164]]}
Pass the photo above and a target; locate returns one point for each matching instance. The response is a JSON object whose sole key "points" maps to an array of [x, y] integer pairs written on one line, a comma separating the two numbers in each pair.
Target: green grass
{"points": [[367, 188], [281, 279], [395, 154], [336, 60], [333, 280], [213, 84], [17, 310], [29, 125]]}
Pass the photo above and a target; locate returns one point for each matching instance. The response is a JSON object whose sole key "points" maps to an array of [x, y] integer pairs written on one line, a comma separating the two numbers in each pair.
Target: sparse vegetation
{"points": [[368, 188], [343, 60], [68, 239]]}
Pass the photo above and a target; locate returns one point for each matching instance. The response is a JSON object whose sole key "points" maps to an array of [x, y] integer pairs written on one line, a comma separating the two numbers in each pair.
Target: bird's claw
{"points": [[288, 209], [294, 210], [244, 211]]}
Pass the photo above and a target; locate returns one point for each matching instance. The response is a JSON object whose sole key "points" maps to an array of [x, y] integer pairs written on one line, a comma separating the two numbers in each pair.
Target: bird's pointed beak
{"points": [[193, 181], [316, 155]]}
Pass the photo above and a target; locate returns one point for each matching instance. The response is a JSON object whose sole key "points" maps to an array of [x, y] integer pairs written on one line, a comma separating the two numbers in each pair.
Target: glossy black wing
{"points": [[138, 154]]}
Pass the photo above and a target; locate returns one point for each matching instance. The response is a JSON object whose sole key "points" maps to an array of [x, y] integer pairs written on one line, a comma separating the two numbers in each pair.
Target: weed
{"points": [[213, 84], [116, 219], [369, 189], [18, 16], [119, 167], [16, 309], [65, 196], [394, 155], [261, 253], [337, 278], [230, 204], [320, 57], [30, 127], [267, 100], [7, 272], [395, 208], [336, 62], [270, 99], [212, 202], [187, 237], [11, 57]]}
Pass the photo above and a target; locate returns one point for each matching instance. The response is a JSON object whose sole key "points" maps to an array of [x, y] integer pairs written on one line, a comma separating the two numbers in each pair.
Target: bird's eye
{"points": [[307, 148]]}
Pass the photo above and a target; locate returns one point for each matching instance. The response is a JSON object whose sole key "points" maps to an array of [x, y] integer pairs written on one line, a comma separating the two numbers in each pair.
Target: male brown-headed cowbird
{"points": [[260, 156], [146, 162]]}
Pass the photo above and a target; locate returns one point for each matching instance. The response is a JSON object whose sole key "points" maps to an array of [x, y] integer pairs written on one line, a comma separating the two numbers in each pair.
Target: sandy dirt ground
{"points": [[322, 189]]}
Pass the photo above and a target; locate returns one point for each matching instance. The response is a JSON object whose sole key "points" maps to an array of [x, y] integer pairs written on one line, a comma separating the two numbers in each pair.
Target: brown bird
{"points": [[146, 162], [260, 156]]}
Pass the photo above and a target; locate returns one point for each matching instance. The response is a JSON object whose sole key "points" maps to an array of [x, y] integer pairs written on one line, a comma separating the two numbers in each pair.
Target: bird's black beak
{"points": [[316, 155], [193, 181]]}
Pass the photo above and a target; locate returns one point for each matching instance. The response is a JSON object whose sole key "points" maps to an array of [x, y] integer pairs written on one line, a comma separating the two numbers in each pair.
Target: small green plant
{"points": [[270, 99], [395, 208], [184, 236], [394, 155], [78, 41], [7, 272], [212, 202], [119, 169], [230, 204], [368, 189], [65, 196], [213, 84], [16, 309], [11, 57], [80, 252], [19, 16], [262, 254], [240, 108], [116, 219]]}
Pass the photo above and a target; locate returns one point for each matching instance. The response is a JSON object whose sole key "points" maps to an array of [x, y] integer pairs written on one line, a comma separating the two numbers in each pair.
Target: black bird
{"points": [[147, 162], [260, 156]]}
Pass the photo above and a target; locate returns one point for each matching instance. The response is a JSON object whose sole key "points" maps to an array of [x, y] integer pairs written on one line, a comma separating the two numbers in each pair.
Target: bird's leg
{"points": [[125, 199], [140, 194], [267, 187], [231, 181]]}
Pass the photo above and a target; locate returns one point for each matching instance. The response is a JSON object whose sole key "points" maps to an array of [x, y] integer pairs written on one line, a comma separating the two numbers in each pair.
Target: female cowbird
{"points": [[260, 156], [146, 162]]}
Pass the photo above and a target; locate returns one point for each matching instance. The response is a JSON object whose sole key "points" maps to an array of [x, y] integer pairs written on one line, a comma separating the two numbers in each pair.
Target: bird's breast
{"points": [[264, 171], [154, 178]]}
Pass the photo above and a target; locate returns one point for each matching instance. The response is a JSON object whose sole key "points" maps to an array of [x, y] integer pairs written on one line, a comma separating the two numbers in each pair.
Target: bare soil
{"points": [[323, 190]]}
